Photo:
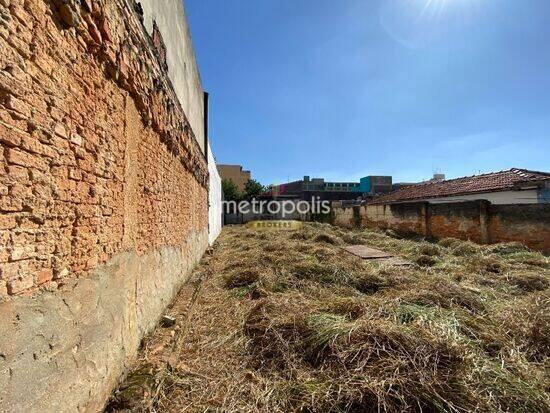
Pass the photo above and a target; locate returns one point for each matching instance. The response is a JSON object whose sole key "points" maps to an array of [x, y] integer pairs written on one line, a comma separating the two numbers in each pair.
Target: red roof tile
{"points": [[492, 182]]}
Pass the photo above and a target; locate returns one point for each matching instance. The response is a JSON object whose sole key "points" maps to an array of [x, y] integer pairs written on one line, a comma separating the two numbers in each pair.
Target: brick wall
{"points": [[103, 198], [520, 223], [404, 218], [478, 221], [91, 164], [462, 220]]}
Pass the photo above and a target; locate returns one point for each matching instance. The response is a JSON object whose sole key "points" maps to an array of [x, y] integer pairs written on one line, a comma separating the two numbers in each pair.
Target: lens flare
{"points": [[416, 23]]}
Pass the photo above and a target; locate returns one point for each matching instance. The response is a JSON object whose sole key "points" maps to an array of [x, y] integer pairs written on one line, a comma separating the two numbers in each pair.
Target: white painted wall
{"points": [[180, 56], [528, 196], [214, 199]]}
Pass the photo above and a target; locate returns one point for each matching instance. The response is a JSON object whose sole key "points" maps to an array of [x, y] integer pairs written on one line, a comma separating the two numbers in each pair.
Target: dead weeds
{"points": [[287, 322]]}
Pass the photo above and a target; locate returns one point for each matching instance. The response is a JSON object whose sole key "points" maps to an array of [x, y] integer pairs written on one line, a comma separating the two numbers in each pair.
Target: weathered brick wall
{"points": [[97, 157], [529, 224], [344, 217], [455, 220], [477, 221], [103, 199], [404, 218]]}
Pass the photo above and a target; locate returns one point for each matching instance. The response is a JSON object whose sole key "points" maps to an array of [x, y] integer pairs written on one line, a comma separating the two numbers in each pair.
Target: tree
{"points": [[231, 191], [253, 189]]}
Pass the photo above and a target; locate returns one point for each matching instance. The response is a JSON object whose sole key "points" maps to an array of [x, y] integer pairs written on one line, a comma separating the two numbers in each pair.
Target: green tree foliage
{"points": [[254, 189], [231, 191]]}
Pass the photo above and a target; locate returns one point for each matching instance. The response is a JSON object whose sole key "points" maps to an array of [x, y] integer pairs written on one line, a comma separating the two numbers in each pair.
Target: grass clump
{"points": [[528, 324], [430, 250], [426, 261], [137, 386], [289, 322], [444, 294], [318, 272], [241, 278], [504, 249], [464, 248], [373, 363], [529, 282], [350, 307], [486, 264], [353, 239], [449, 242], [327, 239], [530, 259], [322, 331], [370, 283]]}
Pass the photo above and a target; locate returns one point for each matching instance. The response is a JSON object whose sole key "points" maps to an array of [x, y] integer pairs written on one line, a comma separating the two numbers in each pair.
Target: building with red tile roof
{"points": [[515, 186]]}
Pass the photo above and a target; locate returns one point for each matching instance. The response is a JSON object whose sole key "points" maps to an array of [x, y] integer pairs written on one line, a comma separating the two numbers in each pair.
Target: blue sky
{"points": [[348, 88]]}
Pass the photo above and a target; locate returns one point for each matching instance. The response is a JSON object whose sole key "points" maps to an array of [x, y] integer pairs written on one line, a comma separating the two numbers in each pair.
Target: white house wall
{"points": [[214, 199], [497, 198], [182, 65]]}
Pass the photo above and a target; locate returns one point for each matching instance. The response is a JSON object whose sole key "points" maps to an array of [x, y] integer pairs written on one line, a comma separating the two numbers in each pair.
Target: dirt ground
{"points": [[275, 321]]}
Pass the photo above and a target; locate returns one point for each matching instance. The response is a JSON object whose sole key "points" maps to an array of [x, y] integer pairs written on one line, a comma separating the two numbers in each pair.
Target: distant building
{"points": [[333, 191], [373, 185], [436, 178], [236, 174], [516, 186]]}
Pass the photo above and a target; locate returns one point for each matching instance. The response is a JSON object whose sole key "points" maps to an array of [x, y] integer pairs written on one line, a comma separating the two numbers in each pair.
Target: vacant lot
{"points": [[288, 321]]}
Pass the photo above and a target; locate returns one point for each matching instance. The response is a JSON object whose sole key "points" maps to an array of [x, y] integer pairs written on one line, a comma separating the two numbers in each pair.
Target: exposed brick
{"points": [[22, 16], [477, 221], [61, 130], [75, 174], [62, 274], [45, 275], [87, 4], [3, 288], [9, 136], [9, 270], [94, 32], [18, 105], [18, 173], [33, 145], [17, 157], [22, 252], [7, 221], [20, 284], [92, 163], [5, 241], [69, 15], [9, 204], [105, 30], [76, 139]]}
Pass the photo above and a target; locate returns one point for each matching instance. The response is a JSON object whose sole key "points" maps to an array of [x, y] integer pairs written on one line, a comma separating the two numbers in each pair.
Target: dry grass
{"points": [[288, 321]]}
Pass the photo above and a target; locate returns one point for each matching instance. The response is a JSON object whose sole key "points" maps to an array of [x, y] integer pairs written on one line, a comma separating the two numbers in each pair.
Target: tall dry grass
{"points": [[288, 321]]}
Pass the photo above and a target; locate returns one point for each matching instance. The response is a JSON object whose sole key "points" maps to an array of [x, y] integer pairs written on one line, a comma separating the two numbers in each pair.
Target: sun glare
{"points": [[434, 7], [417, 23]]}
